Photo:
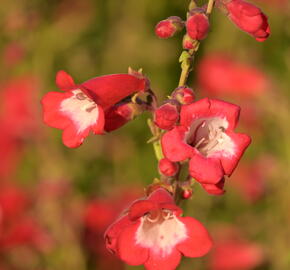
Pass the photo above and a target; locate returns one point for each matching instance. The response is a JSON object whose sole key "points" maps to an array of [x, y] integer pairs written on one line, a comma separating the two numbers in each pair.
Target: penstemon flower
{"points": [[153, 233], [206, 136], [83, 108]]}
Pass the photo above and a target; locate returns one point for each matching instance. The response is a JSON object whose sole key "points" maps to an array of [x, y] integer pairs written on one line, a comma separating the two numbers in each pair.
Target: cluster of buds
{"points": [[244, 15]]}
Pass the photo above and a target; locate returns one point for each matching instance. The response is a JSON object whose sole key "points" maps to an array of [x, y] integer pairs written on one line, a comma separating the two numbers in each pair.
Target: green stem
{"points": [[210, 6]]}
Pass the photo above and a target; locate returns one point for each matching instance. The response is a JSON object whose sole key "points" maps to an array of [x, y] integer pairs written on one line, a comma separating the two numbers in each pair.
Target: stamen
{"points": [[81, 96], [206, 136], [153, 220], [167, 214], [91, 108], [200, 142]]}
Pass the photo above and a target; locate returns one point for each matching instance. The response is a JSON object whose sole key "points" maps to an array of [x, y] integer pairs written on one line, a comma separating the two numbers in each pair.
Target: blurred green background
{"points": [[88, 38]]}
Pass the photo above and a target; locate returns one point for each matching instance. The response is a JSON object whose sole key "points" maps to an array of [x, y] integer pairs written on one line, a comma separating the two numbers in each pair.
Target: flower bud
{"points": [[120, 114], [167, 167], [167, 28], [248, 18], [186, 194], [166, 116], [197, 25], [184, 95], [188, 43]]}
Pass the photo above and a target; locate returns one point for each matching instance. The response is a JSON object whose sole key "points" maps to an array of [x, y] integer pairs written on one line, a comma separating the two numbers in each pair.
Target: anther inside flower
{"points": [[153, 233], [84, 108], [206, 136]]}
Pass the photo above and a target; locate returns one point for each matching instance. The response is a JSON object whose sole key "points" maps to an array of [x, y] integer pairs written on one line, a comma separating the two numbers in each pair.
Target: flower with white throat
{"points": [[84, 108], [153, 233], [206, 137]]}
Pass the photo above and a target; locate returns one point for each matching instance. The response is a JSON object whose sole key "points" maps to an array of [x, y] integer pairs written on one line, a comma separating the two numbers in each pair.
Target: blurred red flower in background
{"points": [[17, 227], [220, 75], [233, 252]]}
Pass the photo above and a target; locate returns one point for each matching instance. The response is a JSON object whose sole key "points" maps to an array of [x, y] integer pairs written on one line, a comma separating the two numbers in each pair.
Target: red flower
{"points": [[16, 226], [206, 137], [220, 75], [82, 108], [19, 110], [153, 233], [197, 26], [248, 18], [233, 252]]}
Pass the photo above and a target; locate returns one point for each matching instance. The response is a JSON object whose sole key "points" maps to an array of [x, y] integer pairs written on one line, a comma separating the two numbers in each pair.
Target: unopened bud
{"points": [[167, 28], [166, 116], [120, 114], [197, 25], [167, 167], [186, 194], [189, 44], [184, 95]]}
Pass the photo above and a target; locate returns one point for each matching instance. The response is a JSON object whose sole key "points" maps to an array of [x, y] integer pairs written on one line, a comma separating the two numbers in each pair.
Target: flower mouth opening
{"points": [[208, 136], [160, 230], [158, 216], [81, 109], [88, 104]]}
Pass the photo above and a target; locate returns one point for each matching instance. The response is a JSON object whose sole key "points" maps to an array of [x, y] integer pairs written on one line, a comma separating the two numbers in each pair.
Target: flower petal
{"points": [[127, 248], [64, 81], [241, 142], [209, 108], [198, 242], [51, 113], [157, 262], [113, 231], [205, 170], [160, 195], [174, 146], [225, 110], [215, 189], [108, 90], [140, 208], [198, 109]]}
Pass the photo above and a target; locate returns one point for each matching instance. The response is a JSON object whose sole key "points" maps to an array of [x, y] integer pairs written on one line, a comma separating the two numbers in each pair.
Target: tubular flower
{"points": [[248, 18], [82, 108], [153, 233], [206, 137]]}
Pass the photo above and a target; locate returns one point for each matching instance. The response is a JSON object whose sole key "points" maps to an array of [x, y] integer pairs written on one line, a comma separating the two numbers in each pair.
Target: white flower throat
{"points": [[82, 110], [208, 136], [160, 230]]}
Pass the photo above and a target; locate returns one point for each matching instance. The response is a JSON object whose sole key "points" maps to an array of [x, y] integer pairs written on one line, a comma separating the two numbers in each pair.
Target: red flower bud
{"points": [[120, 114], [248, 18], [166, 116], [186, 194], [167, 28], [167, 167], [184, 95], [197, 26], [188, 43]]}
